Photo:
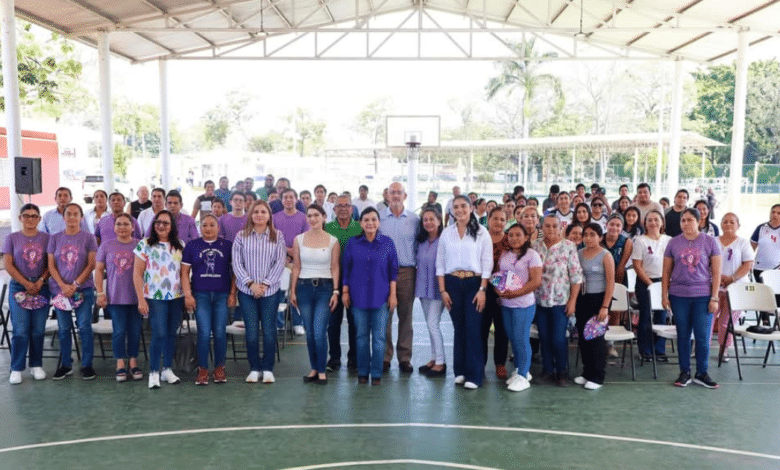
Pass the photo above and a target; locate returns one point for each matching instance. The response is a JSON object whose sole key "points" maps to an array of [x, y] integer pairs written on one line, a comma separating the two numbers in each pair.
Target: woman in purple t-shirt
{"points": [[209, 294], [71, 261], [115, 257], [25, 261], [690, 283]]}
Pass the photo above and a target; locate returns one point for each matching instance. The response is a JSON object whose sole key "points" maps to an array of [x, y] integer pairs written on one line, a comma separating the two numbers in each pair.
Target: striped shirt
{"points": [[256, 259]]}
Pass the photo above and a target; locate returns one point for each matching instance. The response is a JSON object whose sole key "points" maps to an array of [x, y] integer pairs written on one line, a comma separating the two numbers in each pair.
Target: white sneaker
{"points": [[519, 385], [470, 386], [15, 378], [38, 373], [460, 380], [580, 380], [268, 377], [299, 330], [154, 380], [253, 377], [169, 376], [592, 385], [528, 376], [512, 377]]}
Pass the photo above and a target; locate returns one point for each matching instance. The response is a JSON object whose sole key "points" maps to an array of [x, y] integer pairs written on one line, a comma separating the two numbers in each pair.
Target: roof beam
{"points": [[177, 20]]}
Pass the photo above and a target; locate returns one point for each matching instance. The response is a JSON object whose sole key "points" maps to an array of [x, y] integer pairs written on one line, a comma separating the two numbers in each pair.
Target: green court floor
{"points": [[408, 422]]}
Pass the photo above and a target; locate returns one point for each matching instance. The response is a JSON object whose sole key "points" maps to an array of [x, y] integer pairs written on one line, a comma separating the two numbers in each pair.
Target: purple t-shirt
{"points": [[509, 262], [230, 225], [29, 252], [210, 262], [119, 259], [691, 274], [71, 253], [290, 225], [105, 229]]}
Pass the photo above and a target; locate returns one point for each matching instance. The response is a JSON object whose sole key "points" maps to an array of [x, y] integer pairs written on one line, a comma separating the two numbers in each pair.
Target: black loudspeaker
{"points": [[28, 175]]}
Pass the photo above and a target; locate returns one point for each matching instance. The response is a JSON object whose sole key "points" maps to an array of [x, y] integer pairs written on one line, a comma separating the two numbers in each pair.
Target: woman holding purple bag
{"points": [[24, 254]]}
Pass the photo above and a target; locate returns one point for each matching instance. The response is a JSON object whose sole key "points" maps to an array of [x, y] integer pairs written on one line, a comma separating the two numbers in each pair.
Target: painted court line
{"points": [[394, 425], [392, 462]]}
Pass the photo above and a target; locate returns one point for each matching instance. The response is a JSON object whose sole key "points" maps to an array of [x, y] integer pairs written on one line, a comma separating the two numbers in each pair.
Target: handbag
{"points": [[30, 302], [62, 302], [594, 328]]}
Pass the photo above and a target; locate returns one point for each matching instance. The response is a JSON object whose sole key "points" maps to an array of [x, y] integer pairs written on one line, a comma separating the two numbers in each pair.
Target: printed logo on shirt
{"points": [[32, 253], [210, 256], [69, 254], [123, 262], [650, 250], [690, 257]]}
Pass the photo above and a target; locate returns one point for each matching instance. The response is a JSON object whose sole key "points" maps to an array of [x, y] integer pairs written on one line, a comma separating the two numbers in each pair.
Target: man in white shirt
{"points": [[449, 215], [146, 216], [319, 198], [363, 201]]}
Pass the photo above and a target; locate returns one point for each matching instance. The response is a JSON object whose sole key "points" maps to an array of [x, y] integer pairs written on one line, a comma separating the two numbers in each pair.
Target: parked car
{"points": [[92, 183]]}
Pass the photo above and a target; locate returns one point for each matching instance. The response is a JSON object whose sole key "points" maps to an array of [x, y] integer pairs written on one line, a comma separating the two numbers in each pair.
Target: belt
{"points": [[463, 274], [315, 281]]}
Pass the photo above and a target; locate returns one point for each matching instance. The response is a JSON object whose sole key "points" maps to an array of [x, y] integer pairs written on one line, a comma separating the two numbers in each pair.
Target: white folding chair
{"points": [[668, 332], [623, 331], [751, 296], [771, 277], [284, 307]]}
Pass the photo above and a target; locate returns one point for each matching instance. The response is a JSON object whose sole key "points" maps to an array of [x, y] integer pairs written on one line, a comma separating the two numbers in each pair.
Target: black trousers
{"points": [[757, 278], [594, 351], [492, 315]]}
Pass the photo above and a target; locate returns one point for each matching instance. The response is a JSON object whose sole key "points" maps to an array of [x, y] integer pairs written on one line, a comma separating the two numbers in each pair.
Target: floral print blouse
{"points": [[561, 269]]}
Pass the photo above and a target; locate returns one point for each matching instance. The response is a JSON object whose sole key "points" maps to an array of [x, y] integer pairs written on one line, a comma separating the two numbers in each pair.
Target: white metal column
{"points": [[738, 130], [675, 129], [412, 158], [12, 107], [106, 128], [636, 167], [165, 144], [659, 165]]}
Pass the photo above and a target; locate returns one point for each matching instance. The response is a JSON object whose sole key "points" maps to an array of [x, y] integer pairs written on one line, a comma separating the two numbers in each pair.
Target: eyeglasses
{"points": [[161, 222], [597, 205], [30, 216]]}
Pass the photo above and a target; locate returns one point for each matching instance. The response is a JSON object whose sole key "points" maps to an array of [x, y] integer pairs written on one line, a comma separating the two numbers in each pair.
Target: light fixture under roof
{"points": [[580, 34]]}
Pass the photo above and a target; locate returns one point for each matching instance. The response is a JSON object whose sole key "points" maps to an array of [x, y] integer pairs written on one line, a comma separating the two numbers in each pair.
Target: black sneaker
{"points": [[88, 373], [705, 381], [333, 366], [62, 372], [683, 380], [661, 358]]}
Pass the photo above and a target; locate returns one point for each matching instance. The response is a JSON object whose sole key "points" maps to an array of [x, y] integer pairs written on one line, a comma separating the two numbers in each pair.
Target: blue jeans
{"points": [[313, 301], [517, 323], [691, 315], [262, 311], [371, 321], [126, 322], [468, 353], [165, 320], [211, 317], [334, 334], [84, 324], [645, 336], [29, 329], [552, 323]]}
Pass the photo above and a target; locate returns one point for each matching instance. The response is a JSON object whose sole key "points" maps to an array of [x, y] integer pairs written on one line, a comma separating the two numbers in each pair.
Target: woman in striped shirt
{"points": [[259, 253]]}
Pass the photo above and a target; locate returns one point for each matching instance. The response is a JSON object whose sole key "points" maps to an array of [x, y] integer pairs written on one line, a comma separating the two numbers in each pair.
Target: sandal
{"points": [[137, 373], [121, 375]]}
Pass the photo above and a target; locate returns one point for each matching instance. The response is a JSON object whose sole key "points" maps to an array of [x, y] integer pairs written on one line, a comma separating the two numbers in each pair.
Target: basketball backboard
{"points": [[424, 130]]}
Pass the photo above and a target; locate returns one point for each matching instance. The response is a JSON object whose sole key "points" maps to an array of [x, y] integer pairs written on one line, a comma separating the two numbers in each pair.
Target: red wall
{"points": [[41, 145]]}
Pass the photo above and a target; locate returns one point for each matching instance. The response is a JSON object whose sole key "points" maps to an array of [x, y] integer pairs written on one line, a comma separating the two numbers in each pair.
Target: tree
{"points": [[266, 143], [306, 130], [48, 73], [524, 76], [371, 122], [216, 126], [713, 112]]}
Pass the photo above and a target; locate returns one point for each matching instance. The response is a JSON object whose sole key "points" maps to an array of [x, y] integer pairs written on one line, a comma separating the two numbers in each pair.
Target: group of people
{"points": [[492, 266]]}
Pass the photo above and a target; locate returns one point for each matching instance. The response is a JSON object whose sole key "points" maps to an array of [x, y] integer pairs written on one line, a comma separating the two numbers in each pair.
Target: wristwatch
{"points": [[481, 288]]}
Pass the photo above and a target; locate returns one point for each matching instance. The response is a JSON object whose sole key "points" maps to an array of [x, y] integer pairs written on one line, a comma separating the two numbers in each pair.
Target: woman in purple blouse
{"points": [[71, 262], [370, 267], [116, 258], [427, 289], [24, 254], [691, 280]]}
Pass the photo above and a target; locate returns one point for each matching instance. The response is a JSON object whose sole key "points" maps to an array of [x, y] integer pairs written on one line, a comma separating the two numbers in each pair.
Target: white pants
{"points": [[432, 310]]}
